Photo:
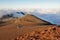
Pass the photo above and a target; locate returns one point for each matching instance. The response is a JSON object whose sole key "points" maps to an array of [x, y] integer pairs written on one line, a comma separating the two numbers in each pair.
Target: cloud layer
{"points": [[52, 16]]}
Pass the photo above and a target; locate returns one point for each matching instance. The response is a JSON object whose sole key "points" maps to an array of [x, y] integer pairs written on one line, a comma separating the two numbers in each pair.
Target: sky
{"points": [[16, 4]]}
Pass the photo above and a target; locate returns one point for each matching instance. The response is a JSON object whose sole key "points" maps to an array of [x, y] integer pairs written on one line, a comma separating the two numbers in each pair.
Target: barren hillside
{"points": [[31, 20], [19, 28]]}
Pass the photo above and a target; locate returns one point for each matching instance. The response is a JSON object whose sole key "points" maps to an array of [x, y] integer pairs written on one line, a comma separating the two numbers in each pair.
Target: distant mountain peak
{"points": [[21, 13]]}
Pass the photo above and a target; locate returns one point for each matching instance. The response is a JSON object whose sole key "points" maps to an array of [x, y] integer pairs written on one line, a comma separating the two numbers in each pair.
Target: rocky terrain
{"points": [[29, 27], [49, 33]]}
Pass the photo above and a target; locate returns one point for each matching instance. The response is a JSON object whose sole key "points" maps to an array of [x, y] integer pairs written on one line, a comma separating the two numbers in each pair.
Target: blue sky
{"points": [[30, 4]]}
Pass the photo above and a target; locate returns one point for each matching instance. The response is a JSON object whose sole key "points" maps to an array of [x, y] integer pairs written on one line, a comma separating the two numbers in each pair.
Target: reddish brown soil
{"points": [[31, 29], [50, 33]]}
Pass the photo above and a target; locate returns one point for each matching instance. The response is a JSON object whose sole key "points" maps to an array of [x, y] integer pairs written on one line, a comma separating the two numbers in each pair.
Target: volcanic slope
{"points": [[27, 23], [29, 19]]}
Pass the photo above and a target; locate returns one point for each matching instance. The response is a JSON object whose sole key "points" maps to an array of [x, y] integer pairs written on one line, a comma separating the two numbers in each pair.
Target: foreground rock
{"points": [[51, 33]]}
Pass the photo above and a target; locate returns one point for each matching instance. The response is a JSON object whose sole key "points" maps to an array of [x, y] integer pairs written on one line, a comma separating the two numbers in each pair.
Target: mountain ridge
{"points": [[31, 20]]}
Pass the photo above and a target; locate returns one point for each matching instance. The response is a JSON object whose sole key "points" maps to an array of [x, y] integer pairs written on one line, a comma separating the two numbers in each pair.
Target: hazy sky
{"points": [[30, 4]]}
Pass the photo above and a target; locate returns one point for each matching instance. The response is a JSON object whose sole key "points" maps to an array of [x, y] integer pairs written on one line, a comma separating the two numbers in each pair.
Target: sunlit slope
{"points": [[10, 30], [31, 20]]}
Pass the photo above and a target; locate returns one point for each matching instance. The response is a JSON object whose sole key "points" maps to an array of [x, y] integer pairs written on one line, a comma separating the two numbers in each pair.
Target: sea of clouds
{"points": [[52, 16]]}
